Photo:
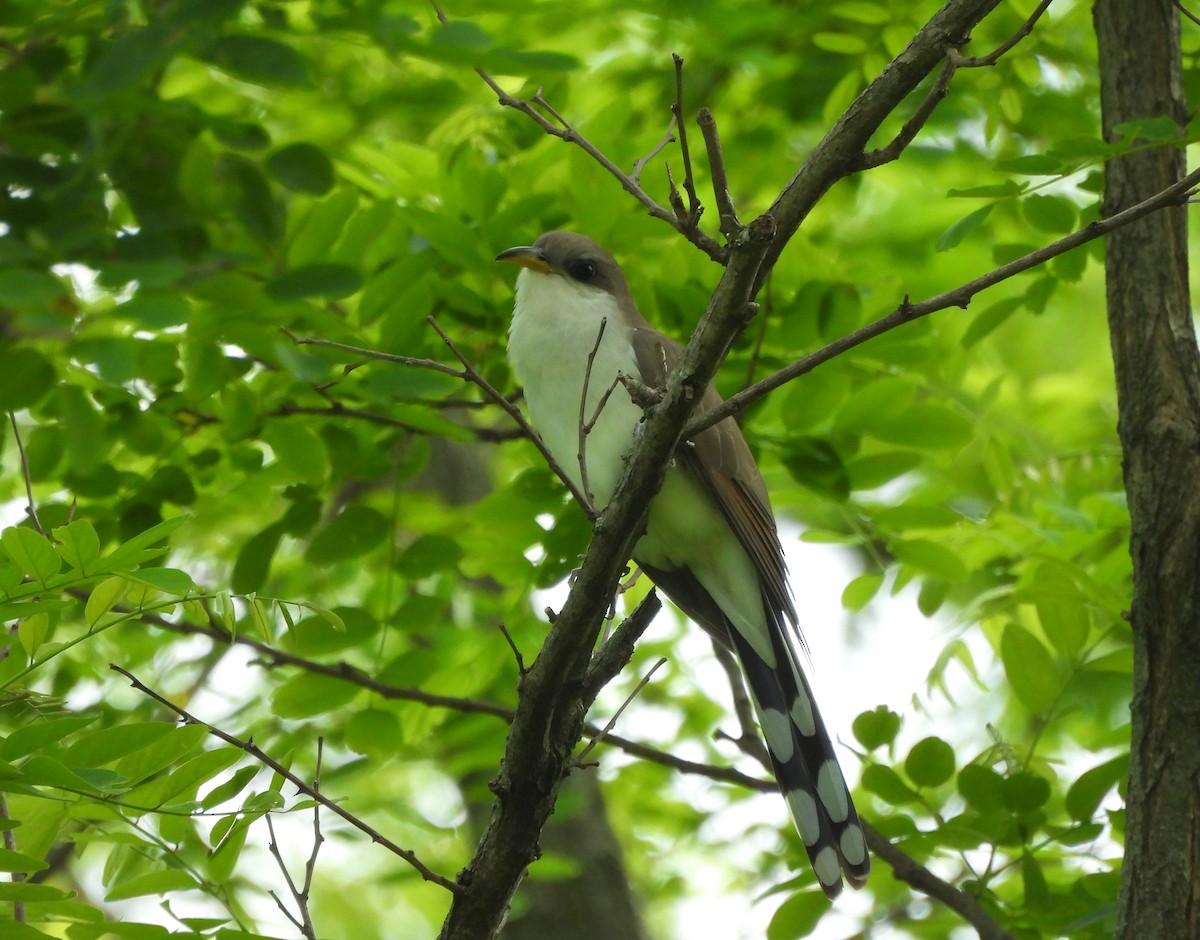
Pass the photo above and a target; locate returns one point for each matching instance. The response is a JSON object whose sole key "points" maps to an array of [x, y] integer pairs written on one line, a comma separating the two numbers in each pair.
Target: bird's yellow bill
{"points": [[527, 257]]}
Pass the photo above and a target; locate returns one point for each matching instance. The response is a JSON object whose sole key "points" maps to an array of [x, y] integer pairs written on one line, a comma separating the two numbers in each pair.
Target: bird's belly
{"points": [[686, 529]]}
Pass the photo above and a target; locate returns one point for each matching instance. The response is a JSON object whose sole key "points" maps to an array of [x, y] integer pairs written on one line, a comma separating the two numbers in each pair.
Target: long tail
{"points": [[806, 766]]}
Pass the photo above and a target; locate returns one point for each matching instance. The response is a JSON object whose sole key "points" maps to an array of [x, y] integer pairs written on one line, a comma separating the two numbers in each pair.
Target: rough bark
{"points": [[596, 902], [1158, 396]]}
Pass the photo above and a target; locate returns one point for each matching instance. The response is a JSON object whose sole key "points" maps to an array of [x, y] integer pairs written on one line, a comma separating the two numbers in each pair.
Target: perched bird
{"points": [[710, 541]]}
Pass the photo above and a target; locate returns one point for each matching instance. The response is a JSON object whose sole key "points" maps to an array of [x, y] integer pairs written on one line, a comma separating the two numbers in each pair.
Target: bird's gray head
{"points": [[575, 258]]}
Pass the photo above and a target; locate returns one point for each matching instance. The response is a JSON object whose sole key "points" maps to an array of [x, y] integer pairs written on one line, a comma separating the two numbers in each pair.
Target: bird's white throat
{"points": [[555, 325]]}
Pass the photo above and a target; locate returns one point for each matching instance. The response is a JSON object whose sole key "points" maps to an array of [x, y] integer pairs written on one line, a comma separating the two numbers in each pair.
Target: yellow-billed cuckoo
{"points": [[710, 542]]}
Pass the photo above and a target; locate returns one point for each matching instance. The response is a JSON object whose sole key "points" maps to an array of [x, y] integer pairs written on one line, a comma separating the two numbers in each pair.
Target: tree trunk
{"points": [[1158, 398]]}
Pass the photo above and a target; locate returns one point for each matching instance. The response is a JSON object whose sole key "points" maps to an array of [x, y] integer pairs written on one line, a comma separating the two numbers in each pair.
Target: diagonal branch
{"points": [[892, 150], [838, 153], [907, 869], [266, 760], [981, 61], [468, 373], [617, 650], [959, 296]]}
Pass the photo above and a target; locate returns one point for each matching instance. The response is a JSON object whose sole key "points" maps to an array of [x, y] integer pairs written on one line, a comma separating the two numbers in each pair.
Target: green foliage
{"points": [[186, 179]]}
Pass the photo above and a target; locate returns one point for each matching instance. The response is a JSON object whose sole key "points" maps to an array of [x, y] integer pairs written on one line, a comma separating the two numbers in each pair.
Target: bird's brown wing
{"points": [[720, 458]]}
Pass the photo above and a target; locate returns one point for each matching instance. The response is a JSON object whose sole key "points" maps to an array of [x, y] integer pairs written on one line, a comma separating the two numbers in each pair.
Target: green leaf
{"points": [[25, 288], [843, 43], [886, 784], [26, 377], [25, 891], [230, 788], [929, 426], [989, 319], [138, 549], [798, 916], [1024, 792], [303, 168], [352, 534], [982, 788], [867, 473], [260, 60], [308, 695], [299, 451], [1087, 793], [462, 34], [374, 732], [877, 727], [16, 861], [858, 593], [31, 551], [226, 855], [155, 882], [252, 566], [930, 558], [954, 235], [40, 733], [930, 763], [167, 580], [1149, 129], [815, 463], [78, 544], [32, 632], [995, 191], [106, 745], [1030, 669], [334, 281], [104, 597], [1053, 214]]}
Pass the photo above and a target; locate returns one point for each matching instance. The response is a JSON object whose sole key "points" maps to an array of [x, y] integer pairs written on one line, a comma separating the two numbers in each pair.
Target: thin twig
{"points": [[893, 149], [612, 722], [980, 61], [468, 374], [585, 427], [30, 509], [1186, 12], [629, 182], [273, 848], [266, 760], [729, 222], [310, 867], [512, 645], [960, 296], [694, 208], [336, 409], [640, 164], [473, 375]]}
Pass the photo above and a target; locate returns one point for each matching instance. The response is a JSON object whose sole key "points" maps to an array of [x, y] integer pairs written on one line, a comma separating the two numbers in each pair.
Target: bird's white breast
{"points": [[554, 328]]}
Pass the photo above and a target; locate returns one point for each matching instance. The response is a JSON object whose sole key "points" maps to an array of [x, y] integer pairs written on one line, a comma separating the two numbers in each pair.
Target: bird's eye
{"points": [[581, 269]]}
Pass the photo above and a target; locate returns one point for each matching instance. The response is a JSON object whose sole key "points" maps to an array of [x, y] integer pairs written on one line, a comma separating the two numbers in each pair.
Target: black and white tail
{"points": [[805, 764]]}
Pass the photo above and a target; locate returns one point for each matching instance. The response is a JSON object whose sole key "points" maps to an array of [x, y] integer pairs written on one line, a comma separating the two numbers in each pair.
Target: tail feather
{"points": [[805, 765]]}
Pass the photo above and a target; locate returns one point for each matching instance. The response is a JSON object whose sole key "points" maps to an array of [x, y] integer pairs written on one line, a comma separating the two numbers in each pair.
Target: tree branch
{"points": [[839, 152], [468, 373], [960, 296], [617, 651], [981, 61], [891, 151], [729, 221], [910, 871], [549, 718], [266, 760]]}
